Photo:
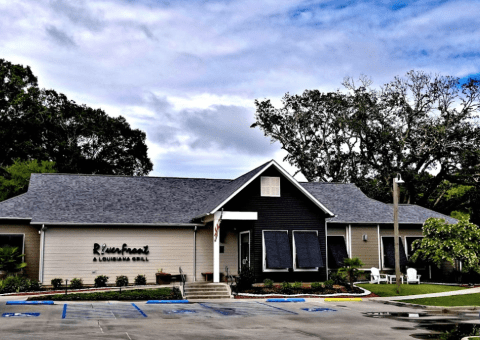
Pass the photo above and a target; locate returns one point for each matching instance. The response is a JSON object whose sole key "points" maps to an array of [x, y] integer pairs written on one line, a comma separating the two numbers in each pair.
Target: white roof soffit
{"points": [[288, 176]]}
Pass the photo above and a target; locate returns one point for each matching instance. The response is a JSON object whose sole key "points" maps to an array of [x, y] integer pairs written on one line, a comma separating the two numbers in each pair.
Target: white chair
{"points": [[376, 277], [412, 276]]}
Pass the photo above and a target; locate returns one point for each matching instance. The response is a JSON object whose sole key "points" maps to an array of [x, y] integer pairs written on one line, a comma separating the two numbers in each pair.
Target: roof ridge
{"points": [[127, 176]]}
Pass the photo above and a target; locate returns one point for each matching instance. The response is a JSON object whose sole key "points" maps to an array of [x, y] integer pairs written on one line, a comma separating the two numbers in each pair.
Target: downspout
{"points": [[195, 254], [42, 253], [326, 247]]}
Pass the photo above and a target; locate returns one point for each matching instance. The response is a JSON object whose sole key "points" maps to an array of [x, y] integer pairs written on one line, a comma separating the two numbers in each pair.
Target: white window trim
{"points": [[294, 253], [240, 250], [23, 243], [261, 186], [264, 255]]}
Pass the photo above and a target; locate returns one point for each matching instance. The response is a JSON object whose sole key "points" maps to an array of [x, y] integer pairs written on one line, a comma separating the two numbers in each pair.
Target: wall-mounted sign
{"points": [[119, 254]]}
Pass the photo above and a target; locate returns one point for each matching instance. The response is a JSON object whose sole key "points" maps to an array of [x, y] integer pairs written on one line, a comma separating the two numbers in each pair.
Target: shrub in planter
{"points": [[101, 281], [140, 280], [339, 278], [34, 286], [76, 283], [297, 285], [246, 278], [316, 286], [17, 284], [267, 283], [56, 283], [286, 287], [328, 284], [121, 281], [11, 259]]}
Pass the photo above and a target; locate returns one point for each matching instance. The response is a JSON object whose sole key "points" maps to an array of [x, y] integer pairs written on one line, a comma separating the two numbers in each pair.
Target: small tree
{"points": [[351, 269], [451, 243], [10, 259]]}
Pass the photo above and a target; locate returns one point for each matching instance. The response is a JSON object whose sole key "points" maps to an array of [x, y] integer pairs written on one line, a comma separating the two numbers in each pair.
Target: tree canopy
{"points": [[17, 176], [421, 126], [449, 242], [40, 124]]}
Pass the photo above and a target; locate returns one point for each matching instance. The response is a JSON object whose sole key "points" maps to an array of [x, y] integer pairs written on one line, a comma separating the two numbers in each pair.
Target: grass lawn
{"points": [[137, 294], [449, 301], [391, 289]]}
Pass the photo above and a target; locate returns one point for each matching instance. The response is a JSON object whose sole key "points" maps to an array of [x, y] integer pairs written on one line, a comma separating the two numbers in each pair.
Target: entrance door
{"points": [[244, 248]]}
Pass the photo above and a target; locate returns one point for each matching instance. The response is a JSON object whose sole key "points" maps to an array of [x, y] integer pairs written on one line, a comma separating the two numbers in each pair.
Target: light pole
{"points": [[397, 180]]}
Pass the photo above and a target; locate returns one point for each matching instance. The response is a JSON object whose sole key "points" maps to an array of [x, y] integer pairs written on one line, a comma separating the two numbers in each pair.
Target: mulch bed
{"points": [[306, 296], [277, 292]]}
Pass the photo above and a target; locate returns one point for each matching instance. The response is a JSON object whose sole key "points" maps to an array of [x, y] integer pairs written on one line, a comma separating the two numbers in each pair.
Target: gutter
{"points": [[122, 224]]}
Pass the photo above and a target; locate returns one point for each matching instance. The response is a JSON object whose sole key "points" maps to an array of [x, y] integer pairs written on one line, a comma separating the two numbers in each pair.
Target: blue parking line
{"points": [[285, 310], [166, 301], [141, 312], [30, 303], [64, 314]]}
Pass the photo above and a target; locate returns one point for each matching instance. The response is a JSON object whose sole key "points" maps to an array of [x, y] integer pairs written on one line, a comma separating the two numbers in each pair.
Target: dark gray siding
{"points": [[292, 211]]}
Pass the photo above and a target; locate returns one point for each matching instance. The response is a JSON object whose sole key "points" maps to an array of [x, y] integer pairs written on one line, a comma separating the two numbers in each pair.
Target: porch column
{"points": [[216, 247]]}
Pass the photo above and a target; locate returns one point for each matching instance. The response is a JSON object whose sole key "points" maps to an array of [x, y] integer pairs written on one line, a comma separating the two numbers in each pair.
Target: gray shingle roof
{"points": [[351, 205], [66, 198], [229, 188], [17, 207], [119, 199]]}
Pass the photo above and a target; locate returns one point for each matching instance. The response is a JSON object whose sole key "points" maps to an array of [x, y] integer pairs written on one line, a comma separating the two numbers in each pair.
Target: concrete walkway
{"points": [[409, 297]]}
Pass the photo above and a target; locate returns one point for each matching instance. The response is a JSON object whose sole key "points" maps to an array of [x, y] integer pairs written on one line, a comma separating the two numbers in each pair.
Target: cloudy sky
{"points": [[187, 72]]}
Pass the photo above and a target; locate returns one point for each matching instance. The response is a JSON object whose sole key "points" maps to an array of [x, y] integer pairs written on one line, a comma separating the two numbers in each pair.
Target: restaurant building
{"points": [[88, 225]]}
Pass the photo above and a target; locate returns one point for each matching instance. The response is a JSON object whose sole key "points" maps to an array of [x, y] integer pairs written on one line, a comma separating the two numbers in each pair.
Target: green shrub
{"points": [[17, 284], [267, 283], [34, 286], [316, 286], [339, 278], [76, 283], [56, 283], [140, 280], [297, 285], [246, 278], [137, 294], [328, 284], [101, 281], [121, 281], [286, 287], [11, 259]]}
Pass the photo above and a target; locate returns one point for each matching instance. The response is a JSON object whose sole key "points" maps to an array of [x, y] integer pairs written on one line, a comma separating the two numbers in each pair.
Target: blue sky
{"points": [[188, 72]]}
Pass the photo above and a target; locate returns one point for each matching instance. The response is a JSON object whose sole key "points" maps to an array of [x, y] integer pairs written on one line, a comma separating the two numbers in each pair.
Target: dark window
{"points": [[389, 252], [337, 251], [277, 249], [307, 250], [12, 240]]}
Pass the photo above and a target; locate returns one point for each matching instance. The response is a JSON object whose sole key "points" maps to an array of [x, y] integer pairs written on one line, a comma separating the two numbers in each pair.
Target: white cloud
{"points": [[190, 66]]}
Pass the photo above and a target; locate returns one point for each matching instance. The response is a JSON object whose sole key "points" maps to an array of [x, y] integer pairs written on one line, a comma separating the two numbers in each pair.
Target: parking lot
{"points": [[233, 319]]}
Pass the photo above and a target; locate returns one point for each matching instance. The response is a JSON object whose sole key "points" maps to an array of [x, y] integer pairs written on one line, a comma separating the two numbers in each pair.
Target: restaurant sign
{"points": [[114, 254]]}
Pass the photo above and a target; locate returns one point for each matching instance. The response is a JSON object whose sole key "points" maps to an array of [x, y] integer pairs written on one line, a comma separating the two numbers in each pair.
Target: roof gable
{"points": [[237, 185]]}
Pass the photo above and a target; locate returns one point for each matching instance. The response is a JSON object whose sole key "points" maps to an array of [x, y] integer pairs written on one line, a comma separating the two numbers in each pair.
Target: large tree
{"points": [[420, 126], [453, 243], [45, 125]]}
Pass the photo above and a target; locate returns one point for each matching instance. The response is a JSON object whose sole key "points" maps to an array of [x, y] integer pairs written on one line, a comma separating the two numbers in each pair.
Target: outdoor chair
{"points": [[412, 276], [376, 277]]}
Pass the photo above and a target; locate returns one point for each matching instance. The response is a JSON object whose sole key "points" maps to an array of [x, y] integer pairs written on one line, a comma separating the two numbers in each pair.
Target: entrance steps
{"points": [[206, 290]]}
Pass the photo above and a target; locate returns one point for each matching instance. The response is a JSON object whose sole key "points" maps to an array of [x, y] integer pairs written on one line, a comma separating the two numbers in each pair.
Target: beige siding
{"points": [[69, 252], [31, 246], [336, 231], [366, 251], [230, 256], [204, 251]]}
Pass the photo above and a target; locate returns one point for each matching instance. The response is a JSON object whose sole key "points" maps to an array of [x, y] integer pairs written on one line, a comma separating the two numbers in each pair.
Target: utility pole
{"points": [[396, 181]]}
